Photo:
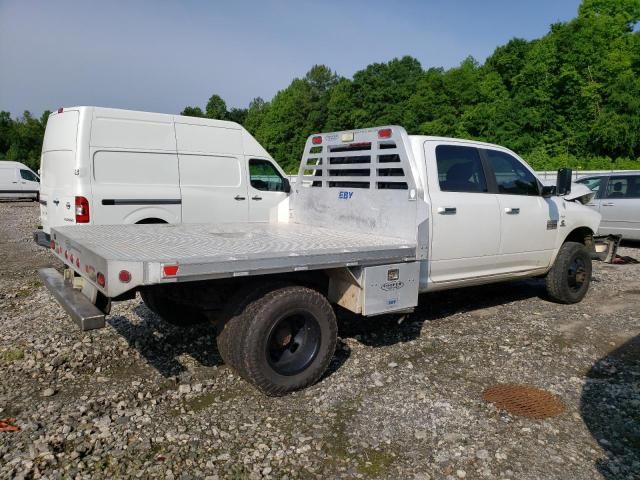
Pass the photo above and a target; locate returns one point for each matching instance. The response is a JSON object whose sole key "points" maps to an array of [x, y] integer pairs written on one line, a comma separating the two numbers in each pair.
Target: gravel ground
{"points": [[403, 398]]}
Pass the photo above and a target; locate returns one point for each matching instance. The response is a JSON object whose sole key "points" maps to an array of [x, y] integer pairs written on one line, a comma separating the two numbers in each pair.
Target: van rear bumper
{"points": [[41, 238]]}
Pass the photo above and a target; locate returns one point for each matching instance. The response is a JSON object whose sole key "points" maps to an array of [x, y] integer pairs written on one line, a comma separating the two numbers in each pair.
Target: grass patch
{"points": [[12, 355]]}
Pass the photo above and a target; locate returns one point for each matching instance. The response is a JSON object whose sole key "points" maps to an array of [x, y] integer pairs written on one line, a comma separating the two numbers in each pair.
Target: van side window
{"points": [[27, 175], [460, 169], [264, 176], [512, 177], [624, 187]]}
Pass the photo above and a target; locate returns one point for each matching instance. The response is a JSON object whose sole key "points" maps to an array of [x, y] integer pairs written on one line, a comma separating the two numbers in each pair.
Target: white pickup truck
{"points": [[376, 217]]}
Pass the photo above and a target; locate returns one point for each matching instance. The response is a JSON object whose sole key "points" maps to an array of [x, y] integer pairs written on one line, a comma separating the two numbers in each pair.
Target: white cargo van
{"points": [[110, 166], [18, 181]]}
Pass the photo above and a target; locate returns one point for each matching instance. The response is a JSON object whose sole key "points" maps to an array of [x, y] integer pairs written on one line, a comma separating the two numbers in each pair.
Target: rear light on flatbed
{"points": [[316, 140], [384, 133], [124, 276], [170, 270], [82, 210], [100, 279]]}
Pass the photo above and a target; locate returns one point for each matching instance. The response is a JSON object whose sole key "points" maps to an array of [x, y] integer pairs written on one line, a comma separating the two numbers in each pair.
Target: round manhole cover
{"points": [[524, 401]]}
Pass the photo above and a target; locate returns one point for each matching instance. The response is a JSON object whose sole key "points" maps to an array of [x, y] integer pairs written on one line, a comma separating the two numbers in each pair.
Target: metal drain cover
{"points": [[524, 401]]}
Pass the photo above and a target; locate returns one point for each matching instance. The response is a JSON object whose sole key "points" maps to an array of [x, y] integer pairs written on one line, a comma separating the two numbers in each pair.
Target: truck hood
{"points": [[580, 193]]}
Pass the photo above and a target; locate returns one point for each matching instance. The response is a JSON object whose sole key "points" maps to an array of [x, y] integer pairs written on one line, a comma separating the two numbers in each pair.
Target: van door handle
{"points": [[512, 211], [239, 197], [608, 204], [447, 210], [256, 197], [14, 182]]}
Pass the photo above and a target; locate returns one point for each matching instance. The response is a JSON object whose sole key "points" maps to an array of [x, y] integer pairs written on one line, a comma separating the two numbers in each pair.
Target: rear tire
{"points": [[569, 279], [282, 341], [175, 313]]}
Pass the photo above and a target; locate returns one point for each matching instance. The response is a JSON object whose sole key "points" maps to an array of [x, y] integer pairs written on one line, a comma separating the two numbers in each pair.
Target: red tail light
{"points": [[101, 280], [316, 140], [82, 210], [170, 270], [124, 276], [52, 244], [384, 133]]}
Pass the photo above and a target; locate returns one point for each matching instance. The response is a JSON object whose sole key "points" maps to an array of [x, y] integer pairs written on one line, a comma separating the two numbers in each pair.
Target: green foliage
{"points": [[192, 112], [216, 108]]}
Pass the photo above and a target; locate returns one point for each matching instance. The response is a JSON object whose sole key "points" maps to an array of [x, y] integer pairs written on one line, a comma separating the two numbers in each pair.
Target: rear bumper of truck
{"points": [[42, 239], [84, 313]]}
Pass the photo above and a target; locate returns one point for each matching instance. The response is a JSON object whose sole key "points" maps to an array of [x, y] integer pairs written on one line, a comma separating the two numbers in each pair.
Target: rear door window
{"points": [[512, 177], [460, 169], [624, 187]]}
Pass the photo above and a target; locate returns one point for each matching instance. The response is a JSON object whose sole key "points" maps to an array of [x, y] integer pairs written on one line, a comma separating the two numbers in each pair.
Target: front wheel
{"points": [[282, 341], [570, 277]]}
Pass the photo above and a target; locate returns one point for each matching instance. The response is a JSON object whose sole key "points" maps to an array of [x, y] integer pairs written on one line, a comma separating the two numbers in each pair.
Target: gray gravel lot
{"points": [[403, 399]]}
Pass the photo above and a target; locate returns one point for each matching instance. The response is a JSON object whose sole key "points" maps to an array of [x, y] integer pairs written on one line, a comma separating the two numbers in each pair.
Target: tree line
{"points": [[570, 98]]}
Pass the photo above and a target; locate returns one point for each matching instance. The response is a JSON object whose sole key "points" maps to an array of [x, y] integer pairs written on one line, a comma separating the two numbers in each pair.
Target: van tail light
{"points": [[82, 210], [170, 270]]}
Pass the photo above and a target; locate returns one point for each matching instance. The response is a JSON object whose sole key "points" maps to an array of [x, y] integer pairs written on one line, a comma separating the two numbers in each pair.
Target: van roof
{"points": [[11, 163], [192, 120]]}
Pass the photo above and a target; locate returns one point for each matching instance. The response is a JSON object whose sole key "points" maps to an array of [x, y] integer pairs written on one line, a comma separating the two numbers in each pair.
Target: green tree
{"points": [[192, 112], [216, 108]]}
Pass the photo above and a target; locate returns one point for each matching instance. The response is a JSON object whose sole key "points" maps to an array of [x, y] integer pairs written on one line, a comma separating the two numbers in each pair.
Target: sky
{"points": [[161, 55]]}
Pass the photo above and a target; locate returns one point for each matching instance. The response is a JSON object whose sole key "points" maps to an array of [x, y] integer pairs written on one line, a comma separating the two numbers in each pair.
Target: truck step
{"points": [[84, 313]]}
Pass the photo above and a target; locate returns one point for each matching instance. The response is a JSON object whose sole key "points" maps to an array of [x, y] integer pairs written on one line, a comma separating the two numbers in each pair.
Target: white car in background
{"points": [[18, 181], [618, 201], [109, 166]]}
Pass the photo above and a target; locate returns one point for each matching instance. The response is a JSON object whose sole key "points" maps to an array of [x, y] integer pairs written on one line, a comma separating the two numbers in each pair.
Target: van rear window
{"points": [[61, 131]]}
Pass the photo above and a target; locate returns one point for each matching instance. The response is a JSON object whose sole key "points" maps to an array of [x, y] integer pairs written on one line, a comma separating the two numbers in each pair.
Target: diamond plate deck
{"points": [[203, 243]]}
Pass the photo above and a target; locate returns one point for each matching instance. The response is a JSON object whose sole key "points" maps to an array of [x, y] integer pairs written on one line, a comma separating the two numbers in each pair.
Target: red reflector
{"points": [[82, 210], [66, 255], [316, 140], [71, 259], [384, 133], [101, 279], [124, 276], [170, 270], [52, 244], [60, 110], [78, 262]]}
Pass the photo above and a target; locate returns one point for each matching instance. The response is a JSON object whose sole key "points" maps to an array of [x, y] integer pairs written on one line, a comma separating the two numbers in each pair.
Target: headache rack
{"points": [[361, 180]]}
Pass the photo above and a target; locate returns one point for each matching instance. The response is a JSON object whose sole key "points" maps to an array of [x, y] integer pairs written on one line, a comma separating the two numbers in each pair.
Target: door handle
{"points": [[608, 204], [14, 182], [256, 197], [512, 211], [447, 210], [239, 197]]}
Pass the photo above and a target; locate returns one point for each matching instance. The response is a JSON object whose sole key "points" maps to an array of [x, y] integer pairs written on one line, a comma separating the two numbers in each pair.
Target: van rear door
{"points": [[57, 165]]}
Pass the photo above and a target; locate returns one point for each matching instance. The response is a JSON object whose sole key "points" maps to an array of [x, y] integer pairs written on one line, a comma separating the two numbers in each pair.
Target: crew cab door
{"points": [[529, 222], [465, 216], [267, 188], [29, 182]]}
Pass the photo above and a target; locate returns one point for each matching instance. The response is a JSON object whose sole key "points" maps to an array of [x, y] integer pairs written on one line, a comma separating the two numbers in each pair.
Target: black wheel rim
{"points": [[577, 274], [293, 343]]}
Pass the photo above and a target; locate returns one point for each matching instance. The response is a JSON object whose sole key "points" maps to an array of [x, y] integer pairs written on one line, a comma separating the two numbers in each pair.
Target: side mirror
{"points": [[563, 181], [287, 185], [548, 191]]}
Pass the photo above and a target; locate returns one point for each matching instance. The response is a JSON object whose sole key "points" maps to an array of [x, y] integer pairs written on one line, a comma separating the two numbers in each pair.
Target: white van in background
{"points": [[18, 181], [110, 166]]}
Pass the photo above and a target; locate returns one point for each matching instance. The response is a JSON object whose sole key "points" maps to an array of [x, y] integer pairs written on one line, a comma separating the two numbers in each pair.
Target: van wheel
{"points": [[569, 279], [172, 312], [282, 341]]}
